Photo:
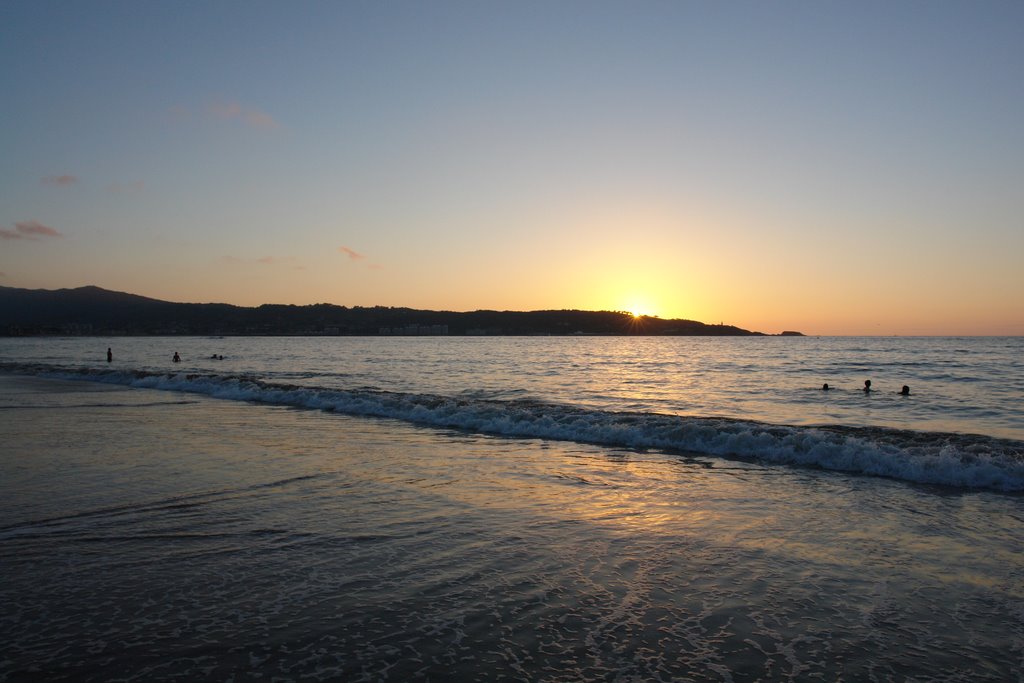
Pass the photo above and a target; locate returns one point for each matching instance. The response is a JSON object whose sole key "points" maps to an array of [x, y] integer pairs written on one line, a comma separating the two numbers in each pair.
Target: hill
{"points": [[92, 310]]}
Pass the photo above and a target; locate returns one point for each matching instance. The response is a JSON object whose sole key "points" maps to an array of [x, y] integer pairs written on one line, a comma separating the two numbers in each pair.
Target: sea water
{"points": [[758, 398], [511, 509]]}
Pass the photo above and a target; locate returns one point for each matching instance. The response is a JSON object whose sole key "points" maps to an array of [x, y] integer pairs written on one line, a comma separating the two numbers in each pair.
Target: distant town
{"points": [[95, 311]]}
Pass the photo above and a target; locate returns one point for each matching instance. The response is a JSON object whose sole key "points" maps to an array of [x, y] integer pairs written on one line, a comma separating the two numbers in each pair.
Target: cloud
{"points": [[28, 230], [258, 119], [354, 255], [62, 180], [351, 253], [226, 110], [230, 111], [265, 261], [233, 111], [36, 228]]}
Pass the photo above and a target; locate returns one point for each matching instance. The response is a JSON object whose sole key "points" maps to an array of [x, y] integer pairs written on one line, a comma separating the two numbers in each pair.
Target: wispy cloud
{"points": [[276, 260], [33, 228], [28, 230], [259, 119], [354, 255], [351, 253], [60, 180], [289, 261], [227, 111], [233, 111]]}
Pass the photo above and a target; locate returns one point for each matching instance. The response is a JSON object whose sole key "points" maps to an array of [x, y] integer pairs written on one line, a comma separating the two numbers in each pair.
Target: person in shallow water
{"points": [[867, 386], [177, 358], [110, 355], [905, 391]]}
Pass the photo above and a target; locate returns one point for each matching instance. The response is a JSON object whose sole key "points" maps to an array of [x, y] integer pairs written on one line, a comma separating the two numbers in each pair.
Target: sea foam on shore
{"points": [[960, 460]]}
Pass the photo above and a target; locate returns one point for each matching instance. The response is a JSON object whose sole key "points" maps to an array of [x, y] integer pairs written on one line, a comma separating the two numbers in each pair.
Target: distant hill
{"points": [[92, 310]]}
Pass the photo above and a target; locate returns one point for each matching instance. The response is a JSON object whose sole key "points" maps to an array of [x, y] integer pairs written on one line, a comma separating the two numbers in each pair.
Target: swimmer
{"points": [[905, 391], [825, 387], [177, 358], [867, 386]]}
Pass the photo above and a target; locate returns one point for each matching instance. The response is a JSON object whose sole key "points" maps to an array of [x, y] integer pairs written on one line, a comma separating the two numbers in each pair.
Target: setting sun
{"points": [[639, 310]]}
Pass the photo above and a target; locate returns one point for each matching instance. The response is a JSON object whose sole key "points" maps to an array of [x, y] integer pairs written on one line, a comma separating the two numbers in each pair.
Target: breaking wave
{"points": [[949, 459]]}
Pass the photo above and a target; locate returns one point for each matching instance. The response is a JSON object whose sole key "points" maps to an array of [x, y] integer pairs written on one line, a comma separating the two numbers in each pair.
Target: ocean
{"points": [[512, 508]]}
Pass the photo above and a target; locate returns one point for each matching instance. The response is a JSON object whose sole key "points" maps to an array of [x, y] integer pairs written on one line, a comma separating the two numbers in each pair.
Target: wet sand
{"points": [[154, 535]]}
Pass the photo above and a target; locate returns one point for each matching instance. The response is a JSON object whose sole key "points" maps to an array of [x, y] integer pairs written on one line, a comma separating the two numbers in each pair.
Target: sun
{"points": [[639, 309]]}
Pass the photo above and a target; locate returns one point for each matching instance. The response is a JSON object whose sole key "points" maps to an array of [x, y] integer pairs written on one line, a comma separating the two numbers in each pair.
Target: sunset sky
{"points": [[833, 168]]}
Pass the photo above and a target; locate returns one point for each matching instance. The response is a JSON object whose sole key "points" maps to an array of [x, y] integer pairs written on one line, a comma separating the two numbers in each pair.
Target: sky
{"points": [[836, 168]]}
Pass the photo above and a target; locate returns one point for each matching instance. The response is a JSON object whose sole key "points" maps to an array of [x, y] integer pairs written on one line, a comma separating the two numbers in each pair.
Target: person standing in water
{"points": [[110, 355], [867, 386], [177, 358]]}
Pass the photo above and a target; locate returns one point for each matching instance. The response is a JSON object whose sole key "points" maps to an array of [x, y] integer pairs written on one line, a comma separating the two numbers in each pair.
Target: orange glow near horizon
{"points": [[639, 308]]}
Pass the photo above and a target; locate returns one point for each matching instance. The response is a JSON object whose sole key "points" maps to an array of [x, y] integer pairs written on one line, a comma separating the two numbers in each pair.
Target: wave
{"points": [[948, 459]]}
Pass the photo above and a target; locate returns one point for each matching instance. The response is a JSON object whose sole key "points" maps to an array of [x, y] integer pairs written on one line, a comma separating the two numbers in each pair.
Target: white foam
{"points": [[967, 461]]}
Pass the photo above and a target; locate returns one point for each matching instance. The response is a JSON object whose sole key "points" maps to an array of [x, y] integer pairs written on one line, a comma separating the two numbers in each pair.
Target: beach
{"points": [[154, 534]]}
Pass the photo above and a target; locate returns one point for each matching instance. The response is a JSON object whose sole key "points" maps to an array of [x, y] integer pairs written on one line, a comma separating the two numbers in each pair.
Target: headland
{"points": [[96, 311]]}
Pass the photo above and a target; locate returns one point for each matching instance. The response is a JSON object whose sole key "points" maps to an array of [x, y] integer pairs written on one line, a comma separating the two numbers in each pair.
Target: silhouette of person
{"points": [[110, 355], [177, 358], [825, 387], [905, 391], [867, 386]]}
